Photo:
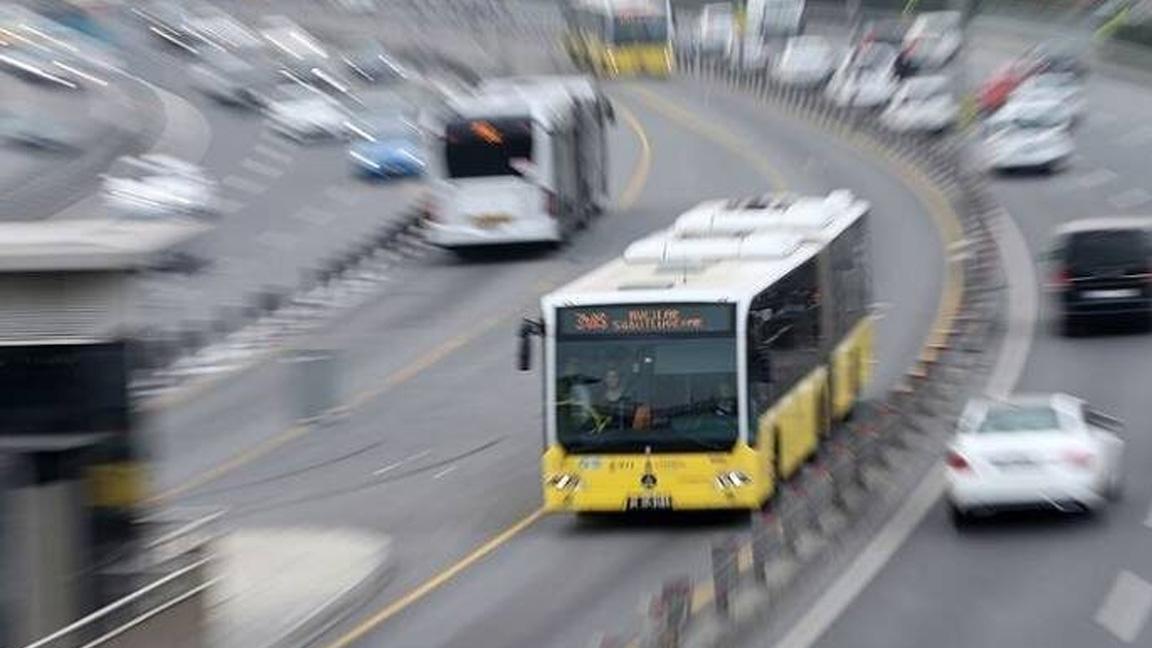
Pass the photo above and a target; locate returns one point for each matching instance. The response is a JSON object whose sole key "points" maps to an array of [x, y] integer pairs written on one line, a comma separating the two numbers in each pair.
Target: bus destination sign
{"points": [[646, 319]]}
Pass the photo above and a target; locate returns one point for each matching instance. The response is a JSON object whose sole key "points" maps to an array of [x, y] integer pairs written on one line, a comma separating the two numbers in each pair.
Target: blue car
{"points": [[388, 158]]}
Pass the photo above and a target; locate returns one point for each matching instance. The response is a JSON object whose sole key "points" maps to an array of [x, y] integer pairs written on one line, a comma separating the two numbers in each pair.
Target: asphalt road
{"points": [[441, 450], [1043, 580]]}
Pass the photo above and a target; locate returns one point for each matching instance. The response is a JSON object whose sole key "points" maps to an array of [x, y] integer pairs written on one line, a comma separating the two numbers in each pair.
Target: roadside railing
{"points": [[807, 523], [161, 589]]}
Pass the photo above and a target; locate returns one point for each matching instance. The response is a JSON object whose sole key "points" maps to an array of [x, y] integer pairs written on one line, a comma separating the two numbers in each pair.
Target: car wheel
{"points": [[1070, 326], [959, 517]]}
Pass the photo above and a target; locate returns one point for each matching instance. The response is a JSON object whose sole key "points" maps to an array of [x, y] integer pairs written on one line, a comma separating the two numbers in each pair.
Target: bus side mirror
{"points": [[528, 330]]}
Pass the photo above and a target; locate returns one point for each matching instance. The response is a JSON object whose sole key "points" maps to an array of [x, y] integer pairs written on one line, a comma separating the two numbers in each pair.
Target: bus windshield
{"points": [[640, 29], [661, 392], [478, 148]]}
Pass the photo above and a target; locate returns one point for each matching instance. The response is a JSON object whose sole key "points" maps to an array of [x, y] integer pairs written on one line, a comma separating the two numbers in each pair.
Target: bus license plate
{"points": [[488, 221], [649, 503]]}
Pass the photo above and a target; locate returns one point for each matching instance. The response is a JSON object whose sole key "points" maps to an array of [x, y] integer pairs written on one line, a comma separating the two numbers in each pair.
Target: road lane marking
{"points": [[261, 168], [639, 177], [261, 449], [341, 195], [445, 472], [1129, 199], [432, 584], [1125, 610], [244, 184], [1097, 178], [278, 240], [403, 462], [272, 154], [1137, 137], [715, 133], [315, 216]]}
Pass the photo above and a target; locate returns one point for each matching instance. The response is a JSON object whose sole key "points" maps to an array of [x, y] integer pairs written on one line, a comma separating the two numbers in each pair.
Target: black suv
{"points": [[1102, 269]]}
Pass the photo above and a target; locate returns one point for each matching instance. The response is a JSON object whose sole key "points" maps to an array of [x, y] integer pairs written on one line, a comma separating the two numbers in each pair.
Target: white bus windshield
{"points": [[480, 148], [620, 391]]}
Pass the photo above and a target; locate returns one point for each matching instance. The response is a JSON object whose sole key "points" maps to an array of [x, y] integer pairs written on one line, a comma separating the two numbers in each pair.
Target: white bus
{"points": [[708, 362], [522, 162]]}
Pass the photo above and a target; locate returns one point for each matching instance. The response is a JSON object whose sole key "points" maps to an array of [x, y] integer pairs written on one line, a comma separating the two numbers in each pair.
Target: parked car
{"points": [[866, 78], [1064, 88], [806, 61], [933, 40], [1029, 134], [1032, 451], [923, 104], [1101, 271]]}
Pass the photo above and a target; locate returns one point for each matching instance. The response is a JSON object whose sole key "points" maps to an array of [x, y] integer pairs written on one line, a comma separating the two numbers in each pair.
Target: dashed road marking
{"points": [[230, 206], [1129, 199], [260, 168], [445, 472], [403, 462], [1125, 610], [244, 184], [272, 154], [1096, 178]]}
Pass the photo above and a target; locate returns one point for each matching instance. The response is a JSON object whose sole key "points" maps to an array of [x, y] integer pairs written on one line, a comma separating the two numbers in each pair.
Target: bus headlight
{"points": [[731, 480], [564, 482]]}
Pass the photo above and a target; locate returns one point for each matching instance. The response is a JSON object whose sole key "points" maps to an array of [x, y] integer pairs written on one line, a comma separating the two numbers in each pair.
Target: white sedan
{"points": [[305, 114], [923, 104], [1029, 133], [1046, 451], [865, 79], [159, 185], [1061, 87], [806, 61]]}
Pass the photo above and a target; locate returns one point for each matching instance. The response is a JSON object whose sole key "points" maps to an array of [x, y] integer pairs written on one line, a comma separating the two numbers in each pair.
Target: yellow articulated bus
{"points": [[620, 37], [707, 363]]}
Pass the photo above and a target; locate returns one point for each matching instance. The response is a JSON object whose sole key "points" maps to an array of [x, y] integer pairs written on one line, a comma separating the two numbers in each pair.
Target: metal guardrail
{"points": [[807, 523]]}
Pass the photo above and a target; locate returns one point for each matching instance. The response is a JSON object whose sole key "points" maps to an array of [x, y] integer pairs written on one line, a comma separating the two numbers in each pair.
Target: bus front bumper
{"points": [[535, 230]]}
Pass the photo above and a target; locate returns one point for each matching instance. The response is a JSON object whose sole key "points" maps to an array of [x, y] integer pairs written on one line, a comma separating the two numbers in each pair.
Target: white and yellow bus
{"points": [[620, 37], [708, 362]]}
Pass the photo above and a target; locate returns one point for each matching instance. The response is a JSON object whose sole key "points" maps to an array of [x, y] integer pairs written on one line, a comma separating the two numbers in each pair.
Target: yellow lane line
{"points": [[397, 606], [627, 199], [740, 147]]}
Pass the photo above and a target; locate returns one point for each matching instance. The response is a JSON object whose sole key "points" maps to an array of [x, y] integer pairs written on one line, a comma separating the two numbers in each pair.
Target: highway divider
{"points": [[838, 497]]}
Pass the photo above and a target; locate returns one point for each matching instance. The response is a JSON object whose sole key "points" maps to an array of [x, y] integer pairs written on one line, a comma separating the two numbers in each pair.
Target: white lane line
{"points": [[1023, 304], [272, 154], [1096, 178], [1136, 137], [260, 168], [403, 462], [278, 240], [1125, 609], [1129, 199], [444, 472], [244, 184]]}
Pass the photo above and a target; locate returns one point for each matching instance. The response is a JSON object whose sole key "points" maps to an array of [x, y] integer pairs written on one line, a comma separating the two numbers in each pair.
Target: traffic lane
{"points": [[904, 234], [424, 308], [474, 396], [1051, 574], [584, 570]]}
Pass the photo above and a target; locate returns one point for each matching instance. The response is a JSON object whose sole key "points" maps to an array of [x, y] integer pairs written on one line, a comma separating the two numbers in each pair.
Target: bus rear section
{"points": [[497, 185]]}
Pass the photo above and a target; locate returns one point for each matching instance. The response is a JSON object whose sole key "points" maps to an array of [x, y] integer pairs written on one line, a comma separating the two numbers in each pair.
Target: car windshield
{"points": [[1019, 418], [625, 395], [1109, 248], [1038, 117], [923, 90]]}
